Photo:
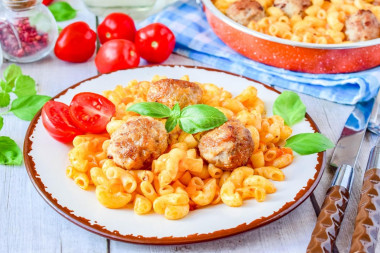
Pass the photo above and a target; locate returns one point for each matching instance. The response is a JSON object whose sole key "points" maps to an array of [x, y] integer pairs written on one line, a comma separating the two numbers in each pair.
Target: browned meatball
{"points": [[292, 7], [363, 25], [172, 91], [136, 143], [228, 146], [245, 11]]}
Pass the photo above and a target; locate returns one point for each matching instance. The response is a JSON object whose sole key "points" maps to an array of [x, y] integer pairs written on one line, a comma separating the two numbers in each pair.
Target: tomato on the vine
{"points": [[155, 42], [115, 55], [57, 121], [76, 43], [117, 26], [91, 112]]}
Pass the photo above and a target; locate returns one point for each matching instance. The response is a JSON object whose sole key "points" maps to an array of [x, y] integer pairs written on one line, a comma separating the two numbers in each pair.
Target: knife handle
{"points": [[332, 212], [367, 222], [368, 218]]}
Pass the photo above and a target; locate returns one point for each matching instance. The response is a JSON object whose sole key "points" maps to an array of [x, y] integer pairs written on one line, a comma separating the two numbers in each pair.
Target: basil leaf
{"points": [[199, 118], [172, 121], [152, 109], [176, 111], [25, 86], [171, 124], [1, 122], [11, 73], [62, 11], [309, 143], [10, 153], [5, 99], [26, 107], [290, 107], [5, 86]]}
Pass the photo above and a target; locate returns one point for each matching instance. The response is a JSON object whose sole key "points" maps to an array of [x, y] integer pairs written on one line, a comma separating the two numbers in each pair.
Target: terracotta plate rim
{"points": [[301, 196]]}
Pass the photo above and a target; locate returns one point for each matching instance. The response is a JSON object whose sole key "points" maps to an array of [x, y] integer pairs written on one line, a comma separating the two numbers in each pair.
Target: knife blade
{"points": [[344, 158], [367, 222]]}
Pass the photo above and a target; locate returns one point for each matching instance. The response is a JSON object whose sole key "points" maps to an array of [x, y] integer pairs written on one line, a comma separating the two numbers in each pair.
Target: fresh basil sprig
{"points": [[191, 119], [10, 153], [173, 118], [25, 106], [309, 143], [152, 109], [5, 99], [199, 118], [290, 107], [10, 74], [24, 86], [62, 11]]}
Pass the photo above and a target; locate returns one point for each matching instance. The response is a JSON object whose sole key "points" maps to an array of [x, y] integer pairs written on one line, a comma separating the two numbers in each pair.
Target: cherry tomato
{"points": [[155, 42], [47, 2], [57, 121], [116, 26], [76, 43], [115, 55], [91, 112]]}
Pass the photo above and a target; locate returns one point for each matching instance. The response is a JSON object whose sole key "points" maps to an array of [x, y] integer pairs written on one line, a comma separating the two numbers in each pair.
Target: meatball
{"points": [[228, 146], [245, 11], [172, 91], [362, 25], [292, 7], [137, 142]]}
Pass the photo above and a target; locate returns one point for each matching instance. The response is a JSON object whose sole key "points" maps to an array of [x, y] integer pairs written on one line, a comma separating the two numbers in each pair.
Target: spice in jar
{"points": [[21, 39]]}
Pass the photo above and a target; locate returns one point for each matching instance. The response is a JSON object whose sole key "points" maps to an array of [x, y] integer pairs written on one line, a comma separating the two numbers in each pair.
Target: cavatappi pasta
{"points": [[321, 22], [180, 180]]}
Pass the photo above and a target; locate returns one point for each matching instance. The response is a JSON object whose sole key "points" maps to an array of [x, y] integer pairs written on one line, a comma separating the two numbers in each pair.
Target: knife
{"points": [[344, 158], [367, 222]]}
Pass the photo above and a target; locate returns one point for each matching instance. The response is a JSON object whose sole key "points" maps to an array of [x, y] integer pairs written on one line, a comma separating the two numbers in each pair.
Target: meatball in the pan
{"points": [[172, 91], [245, 11], [136, 143], [228, 146], [363, 25], [292, 7]]}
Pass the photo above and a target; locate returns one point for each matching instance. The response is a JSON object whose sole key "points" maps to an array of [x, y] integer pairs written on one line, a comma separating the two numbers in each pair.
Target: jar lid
{"points": [[19, 5]]}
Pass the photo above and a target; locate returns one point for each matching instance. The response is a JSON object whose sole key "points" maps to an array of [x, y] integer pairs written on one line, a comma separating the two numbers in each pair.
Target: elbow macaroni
{"points": [[180, 180], [323, 21]]}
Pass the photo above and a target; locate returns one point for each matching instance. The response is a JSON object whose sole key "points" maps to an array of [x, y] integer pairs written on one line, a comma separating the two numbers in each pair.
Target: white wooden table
{"points": [[28, 224]]}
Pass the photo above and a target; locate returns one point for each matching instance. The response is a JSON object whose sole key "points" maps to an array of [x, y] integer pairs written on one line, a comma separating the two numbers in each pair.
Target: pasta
{"points": [[323, 22], [180, 180]]}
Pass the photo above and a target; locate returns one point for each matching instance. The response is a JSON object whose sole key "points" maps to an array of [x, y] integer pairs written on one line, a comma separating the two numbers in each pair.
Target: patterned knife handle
{"points": [[332, 212], [367, 222]]}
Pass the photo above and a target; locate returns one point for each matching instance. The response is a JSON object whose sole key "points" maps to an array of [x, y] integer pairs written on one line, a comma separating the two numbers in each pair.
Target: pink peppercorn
{"points": [[20, 39]]}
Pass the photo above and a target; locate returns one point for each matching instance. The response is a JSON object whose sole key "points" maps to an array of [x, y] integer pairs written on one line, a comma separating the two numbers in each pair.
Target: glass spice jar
{"points": [[28, 30]]}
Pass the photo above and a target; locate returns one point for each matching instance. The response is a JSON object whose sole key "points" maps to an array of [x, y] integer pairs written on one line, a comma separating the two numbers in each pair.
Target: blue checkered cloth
{"points": [[196, 40]]}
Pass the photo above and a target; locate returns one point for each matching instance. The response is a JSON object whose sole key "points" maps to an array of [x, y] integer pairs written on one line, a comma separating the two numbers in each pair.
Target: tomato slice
{"points": [[57, 121], [91, 112]]}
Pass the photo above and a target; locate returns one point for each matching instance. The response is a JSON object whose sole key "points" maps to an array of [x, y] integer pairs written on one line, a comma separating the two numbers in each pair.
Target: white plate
{"points": [[46, 161]]}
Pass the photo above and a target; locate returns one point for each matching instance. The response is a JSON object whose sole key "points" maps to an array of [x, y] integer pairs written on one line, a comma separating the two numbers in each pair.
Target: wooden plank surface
{"points": [[28, 224]]}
